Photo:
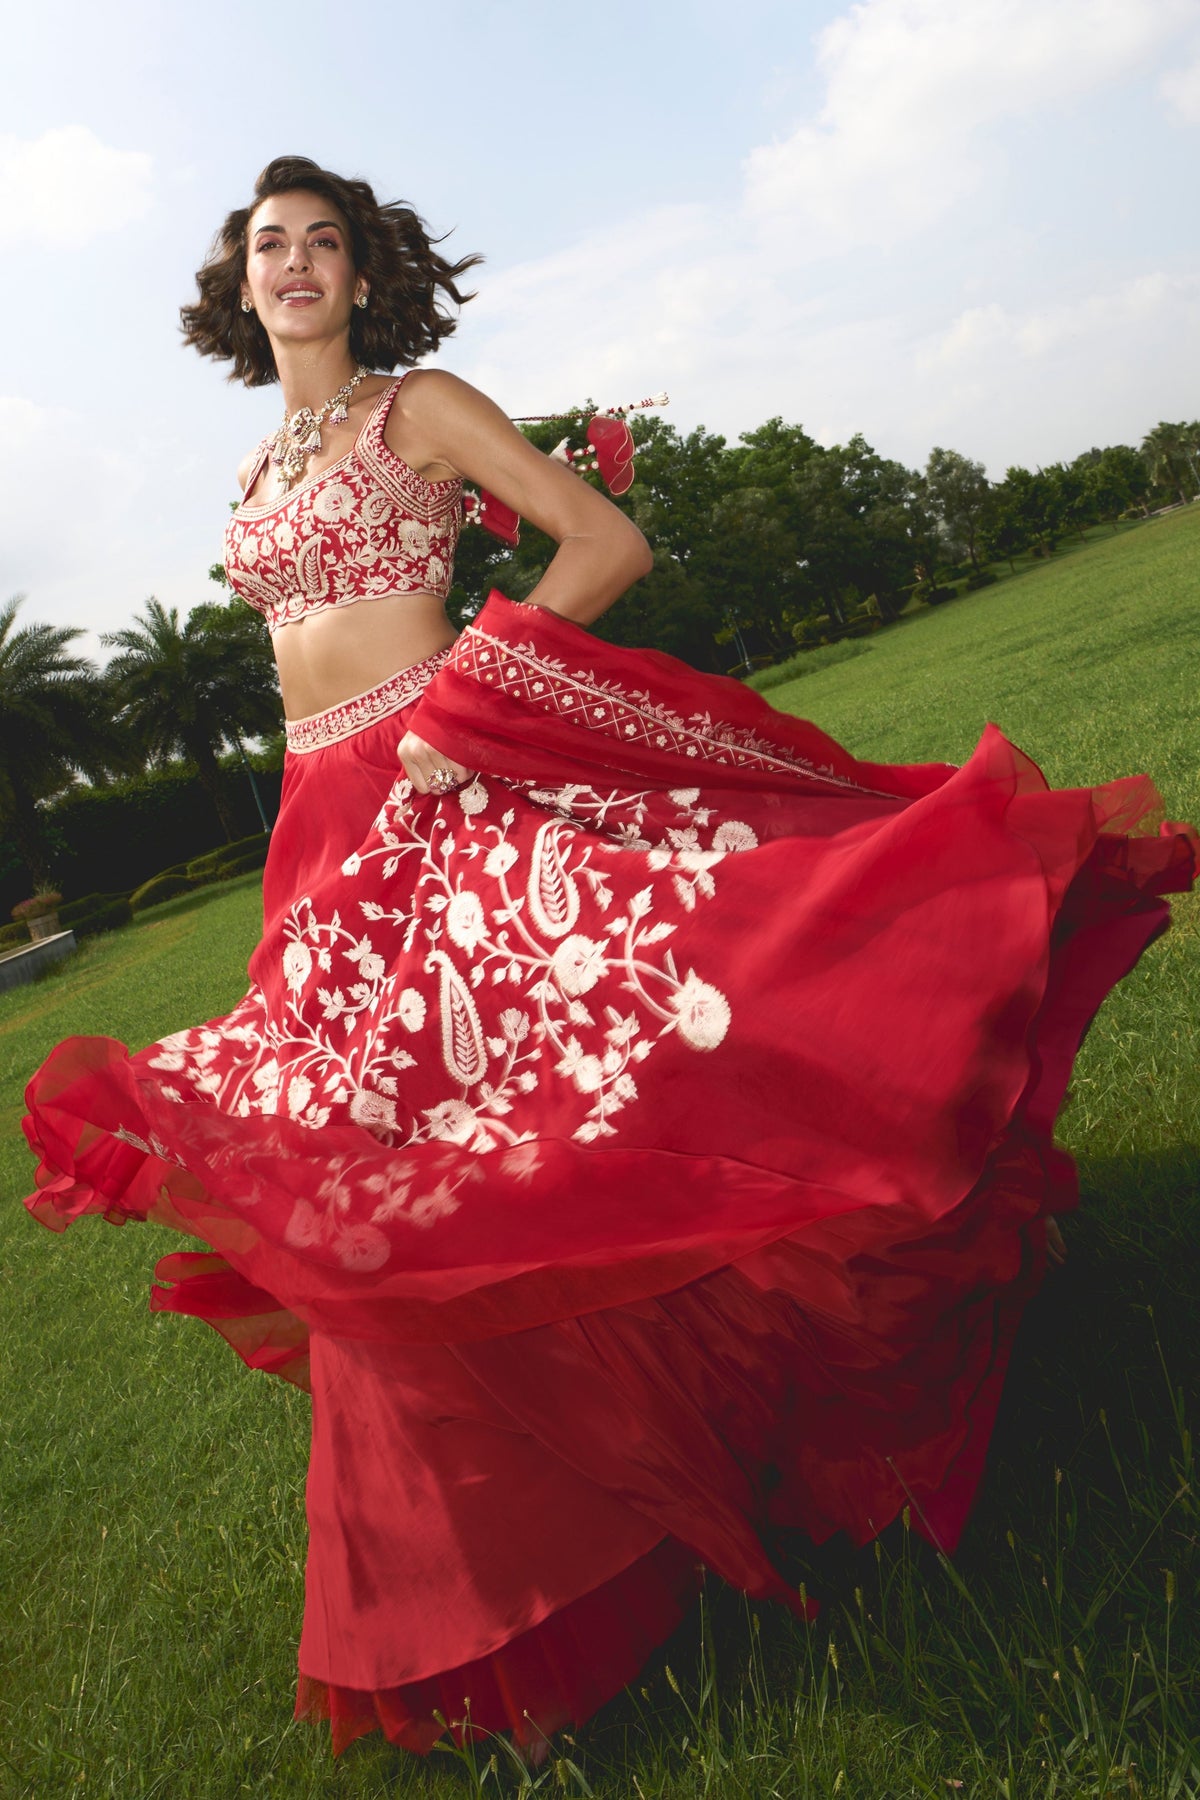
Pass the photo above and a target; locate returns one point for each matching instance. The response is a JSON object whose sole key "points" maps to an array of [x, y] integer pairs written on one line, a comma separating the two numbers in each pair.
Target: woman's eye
{"points": [[328, 243]]}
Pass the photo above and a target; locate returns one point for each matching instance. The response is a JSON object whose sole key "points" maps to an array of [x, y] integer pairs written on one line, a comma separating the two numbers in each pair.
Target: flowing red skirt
{"points": [[641, 1150]]}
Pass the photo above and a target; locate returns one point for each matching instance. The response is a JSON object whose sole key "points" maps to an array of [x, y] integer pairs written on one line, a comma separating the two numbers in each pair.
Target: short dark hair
{"points": [[388, 244]]}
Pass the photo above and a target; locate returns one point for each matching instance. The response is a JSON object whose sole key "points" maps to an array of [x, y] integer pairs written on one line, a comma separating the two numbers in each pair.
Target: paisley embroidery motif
{"points": [[515, 957]]}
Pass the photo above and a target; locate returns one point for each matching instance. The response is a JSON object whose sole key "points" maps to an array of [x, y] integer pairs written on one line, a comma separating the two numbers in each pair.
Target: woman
{"points": [[638, 1129]]}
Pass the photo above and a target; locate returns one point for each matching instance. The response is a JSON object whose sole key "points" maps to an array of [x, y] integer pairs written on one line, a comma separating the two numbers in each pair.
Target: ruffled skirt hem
{"points": [[657, 1134]]}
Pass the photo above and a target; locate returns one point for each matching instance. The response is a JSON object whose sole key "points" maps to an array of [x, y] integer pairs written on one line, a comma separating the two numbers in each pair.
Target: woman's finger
{"points": [[427, 768]]}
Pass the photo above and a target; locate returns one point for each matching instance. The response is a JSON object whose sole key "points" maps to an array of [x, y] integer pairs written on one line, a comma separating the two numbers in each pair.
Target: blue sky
{"points": [[963, 222]]}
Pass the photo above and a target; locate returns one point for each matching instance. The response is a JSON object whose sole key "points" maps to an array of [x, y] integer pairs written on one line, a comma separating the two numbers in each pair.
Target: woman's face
{"points": [[300, 279]]}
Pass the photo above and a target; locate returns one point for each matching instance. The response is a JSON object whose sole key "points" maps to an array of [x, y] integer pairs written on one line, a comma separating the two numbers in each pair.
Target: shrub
{"points": [[981, 578], [47, 901], [115, 912], [160, 887], [13, 934], [117, 836], [242, 865], [806, 662], [201, 868], [214, 863], [809, 633], [260, 840], [87, 903], [933, 595]]}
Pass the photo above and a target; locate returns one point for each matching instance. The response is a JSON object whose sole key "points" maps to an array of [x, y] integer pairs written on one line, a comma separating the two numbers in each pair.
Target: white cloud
{"points": [[59, 534], [911, 88], [621, 313], [1181, 90], [1046, 381], [90, 543], [68, 180], [706, 302], [1145, 303]]}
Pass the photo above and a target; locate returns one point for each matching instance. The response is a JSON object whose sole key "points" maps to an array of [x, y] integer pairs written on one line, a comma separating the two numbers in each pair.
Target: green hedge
{"points": [[806, 662], [71, 910], [221, 860], [242, 865], [159, 888], [111, 839], [110, 917], [179, 868]]}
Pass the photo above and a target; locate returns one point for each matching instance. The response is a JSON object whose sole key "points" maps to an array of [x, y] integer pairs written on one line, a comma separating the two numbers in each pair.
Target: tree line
{"points": [[773, 543], [779, 542]]}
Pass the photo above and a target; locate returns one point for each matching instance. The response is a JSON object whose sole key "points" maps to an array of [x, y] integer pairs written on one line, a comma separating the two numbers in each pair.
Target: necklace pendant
{"points": [[299, 437]]}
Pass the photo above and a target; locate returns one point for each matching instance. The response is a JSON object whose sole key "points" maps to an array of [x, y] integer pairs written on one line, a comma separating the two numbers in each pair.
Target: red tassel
{"points": [[612, 441], [495, 517]]}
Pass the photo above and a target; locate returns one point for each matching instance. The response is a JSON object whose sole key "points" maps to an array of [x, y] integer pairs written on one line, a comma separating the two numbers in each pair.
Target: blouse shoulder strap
{"points": [[376, 425], [261, 452]]}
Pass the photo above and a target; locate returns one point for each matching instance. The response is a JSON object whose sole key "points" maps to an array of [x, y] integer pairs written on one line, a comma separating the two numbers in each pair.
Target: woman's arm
{"points": [[600, 552]]}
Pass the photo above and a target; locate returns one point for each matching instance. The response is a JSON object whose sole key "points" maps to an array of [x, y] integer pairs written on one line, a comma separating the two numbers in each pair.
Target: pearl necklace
{"points": [[299, 437]]}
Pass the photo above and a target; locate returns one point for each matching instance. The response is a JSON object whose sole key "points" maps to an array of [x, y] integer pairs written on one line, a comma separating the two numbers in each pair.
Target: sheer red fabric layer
{"points": [[641, 1150]]}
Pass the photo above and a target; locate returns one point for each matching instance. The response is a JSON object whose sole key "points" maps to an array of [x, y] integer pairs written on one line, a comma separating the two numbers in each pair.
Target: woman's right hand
{"points": [[421, 762]]}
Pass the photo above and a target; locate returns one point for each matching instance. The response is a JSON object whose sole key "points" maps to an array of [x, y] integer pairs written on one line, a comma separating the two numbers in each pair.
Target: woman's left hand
{"points": [[426, 767]]}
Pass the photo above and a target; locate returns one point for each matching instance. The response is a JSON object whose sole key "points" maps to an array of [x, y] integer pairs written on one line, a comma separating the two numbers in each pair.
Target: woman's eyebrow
{"points": [[319, 225]]}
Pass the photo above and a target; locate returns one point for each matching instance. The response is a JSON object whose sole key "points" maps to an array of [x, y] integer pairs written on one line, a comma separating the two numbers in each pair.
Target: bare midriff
{"points": [[339, 652]]}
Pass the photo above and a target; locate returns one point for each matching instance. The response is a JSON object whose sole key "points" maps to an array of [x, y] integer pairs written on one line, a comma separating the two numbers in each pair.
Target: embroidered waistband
{"points": [[362, 710]]}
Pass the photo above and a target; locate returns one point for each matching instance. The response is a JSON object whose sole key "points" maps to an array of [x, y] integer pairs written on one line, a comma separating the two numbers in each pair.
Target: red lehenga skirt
{"points": [[641, 1150]]}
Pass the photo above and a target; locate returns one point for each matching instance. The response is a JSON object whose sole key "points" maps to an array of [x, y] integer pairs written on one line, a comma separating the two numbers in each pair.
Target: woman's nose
{"points": [[298, 257]]}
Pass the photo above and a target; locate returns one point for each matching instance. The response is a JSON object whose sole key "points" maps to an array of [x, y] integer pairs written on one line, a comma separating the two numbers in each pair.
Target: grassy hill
{"points": [[151, 1499], [1089, 663]]}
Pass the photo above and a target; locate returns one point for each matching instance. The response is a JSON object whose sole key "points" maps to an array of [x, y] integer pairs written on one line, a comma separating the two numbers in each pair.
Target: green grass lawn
{"points": [[151, 1498]]}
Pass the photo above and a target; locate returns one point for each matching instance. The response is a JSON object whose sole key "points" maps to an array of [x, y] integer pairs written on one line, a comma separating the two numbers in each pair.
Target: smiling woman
{"points": [[388, 244], [638, 1129]]}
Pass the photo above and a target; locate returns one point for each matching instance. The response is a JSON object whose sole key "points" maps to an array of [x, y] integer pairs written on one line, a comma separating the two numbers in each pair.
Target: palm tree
{"points": [[192, 689], [55, 723], [1168, 452]]}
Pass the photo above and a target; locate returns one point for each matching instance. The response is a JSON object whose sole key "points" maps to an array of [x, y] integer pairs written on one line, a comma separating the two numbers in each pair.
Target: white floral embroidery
{"points": [[329, 504], [375, 1111], [702, 1012], [473, 798], [465, 921], [578, 964], [366, 527], [500, 859], [411, 1010], [472, 972], [732, 834]]}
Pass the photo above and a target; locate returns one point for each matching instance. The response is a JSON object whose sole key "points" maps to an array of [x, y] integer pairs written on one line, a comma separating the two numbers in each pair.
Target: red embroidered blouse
{"points": [[367, 527]]}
